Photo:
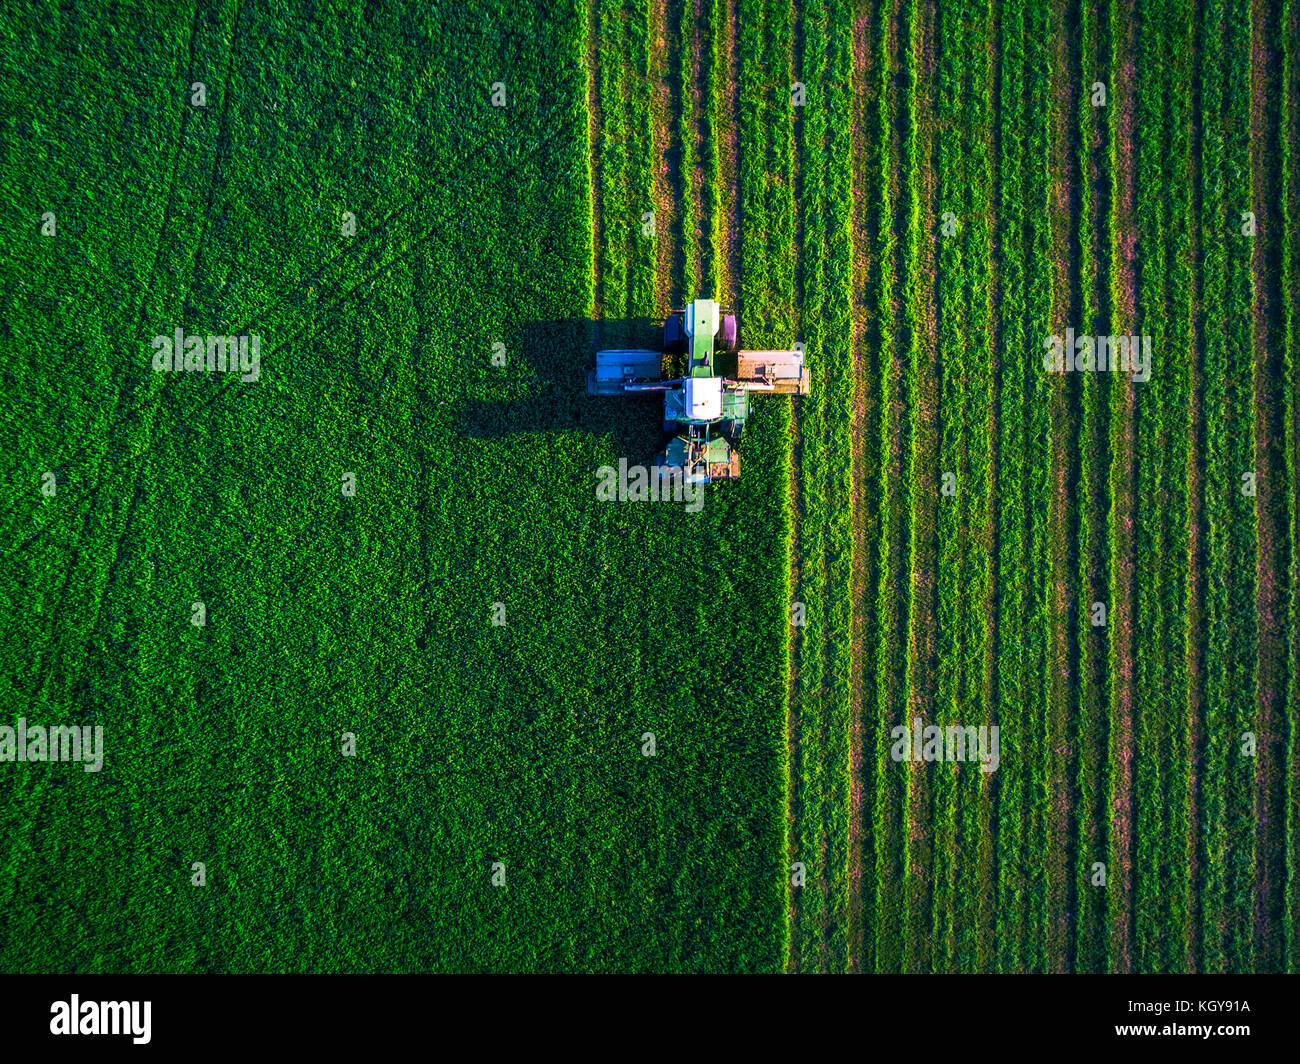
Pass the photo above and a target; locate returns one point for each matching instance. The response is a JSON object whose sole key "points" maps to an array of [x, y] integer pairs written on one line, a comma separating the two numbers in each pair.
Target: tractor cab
{"points": [[703, 412]]}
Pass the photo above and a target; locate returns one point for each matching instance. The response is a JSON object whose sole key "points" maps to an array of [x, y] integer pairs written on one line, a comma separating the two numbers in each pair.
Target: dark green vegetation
{"points": [[369, 614], [952, 191]]}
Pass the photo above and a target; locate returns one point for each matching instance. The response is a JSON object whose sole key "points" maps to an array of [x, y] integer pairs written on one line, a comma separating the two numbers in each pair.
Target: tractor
{"points": [[704, 410]]}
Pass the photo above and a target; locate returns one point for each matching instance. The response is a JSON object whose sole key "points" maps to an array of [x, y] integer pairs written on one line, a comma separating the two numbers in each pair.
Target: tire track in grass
{"points": [[1267, 339], [865, 517], [51, 646], [1063, 215], [923, 473], [891, 777], [1092, 730], [1123, 600], [138, 437]]}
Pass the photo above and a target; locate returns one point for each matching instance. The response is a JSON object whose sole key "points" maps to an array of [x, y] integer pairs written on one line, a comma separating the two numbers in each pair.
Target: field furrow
{"points": [[922, 403], [1268, 325]]}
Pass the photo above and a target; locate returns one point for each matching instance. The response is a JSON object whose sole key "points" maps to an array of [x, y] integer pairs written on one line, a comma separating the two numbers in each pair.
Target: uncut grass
{"points": [[371, 614]]}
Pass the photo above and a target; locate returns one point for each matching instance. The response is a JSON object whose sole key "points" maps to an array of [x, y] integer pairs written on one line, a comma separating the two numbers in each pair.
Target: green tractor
{"points": [[704, 410]]}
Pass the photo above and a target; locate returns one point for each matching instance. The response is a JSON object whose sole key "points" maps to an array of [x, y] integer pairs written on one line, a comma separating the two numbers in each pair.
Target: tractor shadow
{"points": [[546, 366]]}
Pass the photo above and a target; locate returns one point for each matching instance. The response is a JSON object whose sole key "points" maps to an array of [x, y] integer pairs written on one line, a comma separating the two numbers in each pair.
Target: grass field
{"points": [[391, 201]]}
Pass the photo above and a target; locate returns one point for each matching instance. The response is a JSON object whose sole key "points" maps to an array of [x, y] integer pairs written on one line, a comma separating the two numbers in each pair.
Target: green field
{"points": [[410, 733]]}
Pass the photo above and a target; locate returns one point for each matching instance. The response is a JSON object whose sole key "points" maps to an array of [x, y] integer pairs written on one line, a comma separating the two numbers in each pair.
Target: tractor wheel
{"points": [[727, 341], [673, 336]]}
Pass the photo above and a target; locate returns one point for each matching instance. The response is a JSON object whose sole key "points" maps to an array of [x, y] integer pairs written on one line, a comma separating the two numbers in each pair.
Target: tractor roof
{"points": [[701, 327]]}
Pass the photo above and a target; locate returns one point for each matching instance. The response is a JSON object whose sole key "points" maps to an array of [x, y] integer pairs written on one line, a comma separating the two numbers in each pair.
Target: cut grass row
{"points": [[922, 400], [1291, 286], [864, 725], [1014, 699], [1091, 731], [1152, 693], [1121, 601], [986, 955], [887, 815], [1268, 317], [1064, 613], [1174, 451], [826, 270], [954, 796], [1036, 757], [1243, 537], [974, 789]]}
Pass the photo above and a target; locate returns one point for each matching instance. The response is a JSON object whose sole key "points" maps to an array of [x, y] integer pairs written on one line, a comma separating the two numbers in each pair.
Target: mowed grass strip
{"points": [[1268, 323], [1063, 605], [888, 814], [1242, 534], [955, 614], [1175, 496], [1091, 731], [922, 399], [1149, 768], [1012, 543]]}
